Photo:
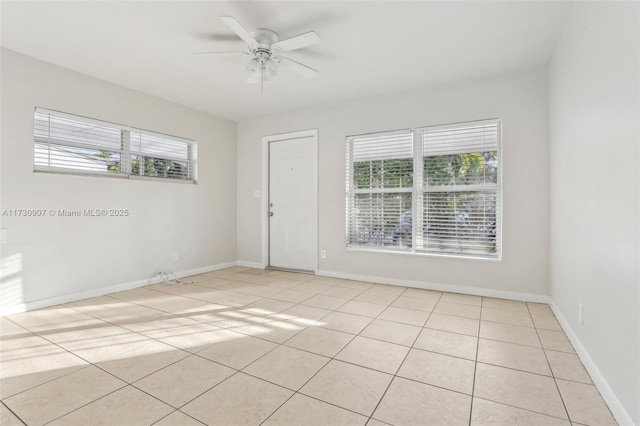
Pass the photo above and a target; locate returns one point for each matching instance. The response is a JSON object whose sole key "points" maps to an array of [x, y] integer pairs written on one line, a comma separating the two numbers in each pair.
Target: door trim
{"points": [[313, 133]]}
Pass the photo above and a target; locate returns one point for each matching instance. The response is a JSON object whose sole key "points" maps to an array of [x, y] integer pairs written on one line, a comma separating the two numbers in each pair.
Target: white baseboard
{"points": [[67, 298], [618, 411], [256, 265], [204, 269], [486, 292]]}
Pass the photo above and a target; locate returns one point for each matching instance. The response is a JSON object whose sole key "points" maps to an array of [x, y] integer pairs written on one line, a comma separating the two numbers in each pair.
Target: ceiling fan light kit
{"points": [[265, 48]]}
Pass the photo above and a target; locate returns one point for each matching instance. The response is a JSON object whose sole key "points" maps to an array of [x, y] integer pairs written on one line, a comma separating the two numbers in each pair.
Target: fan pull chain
{"points": [[262, 69]]}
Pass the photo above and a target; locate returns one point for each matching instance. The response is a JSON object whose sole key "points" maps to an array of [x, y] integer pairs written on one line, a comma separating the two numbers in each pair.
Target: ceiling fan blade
{"points": [[222, 53], [297, 42], [299, 68], [240, 31]]}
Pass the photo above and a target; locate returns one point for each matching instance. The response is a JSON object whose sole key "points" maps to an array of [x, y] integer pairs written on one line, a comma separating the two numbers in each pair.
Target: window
{"points": [[446, 177], [380, 188], [66, 143]]}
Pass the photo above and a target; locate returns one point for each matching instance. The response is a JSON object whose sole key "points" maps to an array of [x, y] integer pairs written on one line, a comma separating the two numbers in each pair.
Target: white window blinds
{"points": [[460, 193], [379, 186], [68, 143], [160, 156], [446, 177]]}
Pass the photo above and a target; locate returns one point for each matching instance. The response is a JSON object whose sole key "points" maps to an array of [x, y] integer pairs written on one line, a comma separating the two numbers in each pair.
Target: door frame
{"points": [[266, 140]]}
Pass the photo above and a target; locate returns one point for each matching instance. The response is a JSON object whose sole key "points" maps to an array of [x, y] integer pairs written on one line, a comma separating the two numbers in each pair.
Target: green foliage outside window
{"points": [[113, 164], [461, 169], [153, 167], [396, 173]]}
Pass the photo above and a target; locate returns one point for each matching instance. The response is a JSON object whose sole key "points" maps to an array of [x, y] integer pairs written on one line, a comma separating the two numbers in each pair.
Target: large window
{"points": [[428, 190], [67, 143]]}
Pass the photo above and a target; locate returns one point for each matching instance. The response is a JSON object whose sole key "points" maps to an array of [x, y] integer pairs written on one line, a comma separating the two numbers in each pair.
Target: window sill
{"points": [[408, 252], [57, 171]]}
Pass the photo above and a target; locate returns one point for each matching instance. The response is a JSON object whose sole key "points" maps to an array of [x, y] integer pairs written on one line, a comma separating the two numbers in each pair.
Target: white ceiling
{"points": [[368, 48]]}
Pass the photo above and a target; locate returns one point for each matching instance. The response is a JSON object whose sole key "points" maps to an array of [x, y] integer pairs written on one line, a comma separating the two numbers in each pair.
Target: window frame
{"points": [[418, 191], [125, 150]]}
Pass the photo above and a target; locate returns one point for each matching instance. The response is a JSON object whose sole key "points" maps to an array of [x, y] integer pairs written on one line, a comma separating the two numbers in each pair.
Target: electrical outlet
{"points": [[580, 314], [175, 256], [323, 254]]}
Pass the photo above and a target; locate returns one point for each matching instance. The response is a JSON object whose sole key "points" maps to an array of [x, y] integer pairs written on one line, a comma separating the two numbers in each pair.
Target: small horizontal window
{"points": [[65, 143]]}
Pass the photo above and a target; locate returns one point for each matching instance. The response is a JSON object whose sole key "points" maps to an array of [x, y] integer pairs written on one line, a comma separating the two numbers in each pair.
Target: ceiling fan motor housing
{"points": [[265, 38], [262, 55]]}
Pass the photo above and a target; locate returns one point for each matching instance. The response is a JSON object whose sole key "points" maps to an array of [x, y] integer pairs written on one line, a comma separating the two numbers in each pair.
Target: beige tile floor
{"points": [[248, 347]]}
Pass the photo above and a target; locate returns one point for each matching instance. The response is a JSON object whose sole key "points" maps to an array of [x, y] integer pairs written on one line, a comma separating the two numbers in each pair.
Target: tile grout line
{"points": [[553, 376], [475, 364], [12, 412], [177, 411], [89, 403], [526, 409], [207, 390]]}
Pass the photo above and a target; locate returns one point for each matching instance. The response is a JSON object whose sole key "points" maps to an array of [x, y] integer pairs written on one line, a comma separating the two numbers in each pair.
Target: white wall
{"points": [[594, 139], [49, 257], [520, 99]]}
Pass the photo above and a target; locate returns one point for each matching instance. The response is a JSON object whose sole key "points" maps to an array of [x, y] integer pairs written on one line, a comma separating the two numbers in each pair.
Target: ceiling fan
{"points": [[265, 49]]}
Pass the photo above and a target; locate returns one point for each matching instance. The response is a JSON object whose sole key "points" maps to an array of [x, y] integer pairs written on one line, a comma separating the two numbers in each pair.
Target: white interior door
{"points": [[292, 203]]}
